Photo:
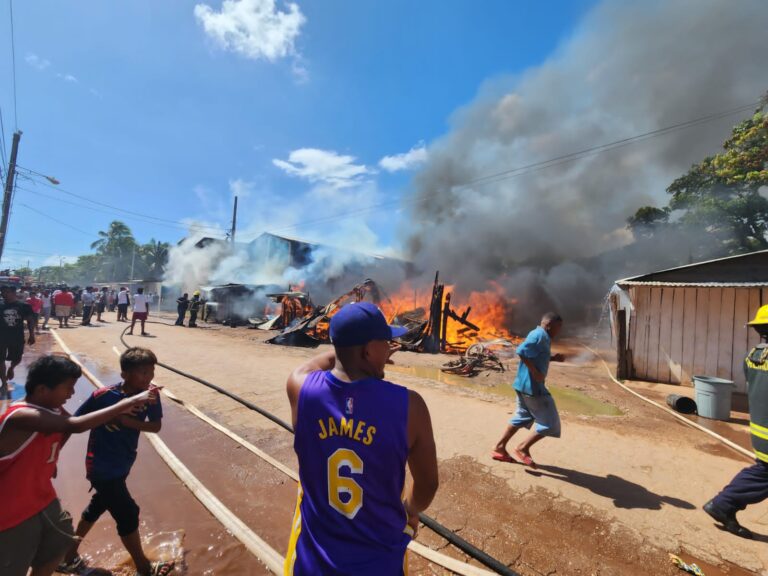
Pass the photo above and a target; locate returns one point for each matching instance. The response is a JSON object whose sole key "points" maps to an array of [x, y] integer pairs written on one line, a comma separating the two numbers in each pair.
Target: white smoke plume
{"points": [[630, 68]]}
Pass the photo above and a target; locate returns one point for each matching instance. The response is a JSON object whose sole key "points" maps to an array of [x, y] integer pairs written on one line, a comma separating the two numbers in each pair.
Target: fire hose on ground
{"points": [[453, 538]]}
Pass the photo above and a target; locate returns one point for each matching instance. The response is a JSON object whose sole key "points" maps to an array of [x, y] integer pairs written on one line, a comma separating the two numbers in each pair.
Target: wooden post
{"points": [[431, 341], [444, 327], [621, 345]]}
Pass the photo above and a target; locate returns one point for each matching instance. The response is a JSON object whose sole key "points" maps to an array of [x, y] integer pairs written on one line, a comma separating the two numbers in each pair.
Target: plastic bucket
{"points": [[682, 404], [713, 397]]}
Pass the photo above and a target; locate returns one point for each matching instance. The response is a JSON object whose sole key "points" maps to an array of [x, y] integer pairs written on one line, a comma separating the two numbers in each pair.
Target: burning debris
{"points": [[478, 358], [431, 329], [312, 329]]}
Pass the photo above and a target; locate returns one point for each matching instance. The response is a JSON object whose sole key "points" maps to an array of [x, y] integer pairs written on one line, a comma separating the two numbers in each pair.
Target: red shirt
{"points": [[36, 304], [25, 475], [64, 299]]}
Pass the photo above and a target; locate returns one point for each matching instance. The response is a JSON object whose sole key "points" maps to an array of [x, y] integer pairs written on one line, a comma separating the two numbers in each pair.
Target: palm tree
{"points": [[115, 248], [155, 256]]}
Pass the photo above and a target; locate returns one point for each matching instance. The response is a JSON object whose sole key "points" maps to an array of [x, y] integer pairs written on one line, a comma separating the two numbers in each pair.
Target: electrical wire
{"points": [[158, 220], [2, 139], [13, 62], [89, 234], [533, 167], [103, 211]]}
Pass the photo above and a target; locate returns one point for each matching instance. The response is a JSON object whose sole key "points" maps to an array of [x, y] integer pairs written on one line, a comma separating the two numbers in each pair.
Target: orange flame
{"points": [[490, 311]]}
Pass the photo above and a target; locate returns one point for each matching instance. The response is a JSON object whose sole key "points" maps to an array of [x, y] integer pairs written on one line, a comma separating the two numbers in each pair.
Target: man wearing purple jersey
{"points": [[354, 434]]}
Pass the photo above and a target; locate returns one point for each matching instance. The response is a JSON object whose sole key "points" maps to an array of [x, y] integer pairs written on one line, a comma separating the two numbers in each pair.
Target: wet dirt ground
{"points": [[588, 515]]}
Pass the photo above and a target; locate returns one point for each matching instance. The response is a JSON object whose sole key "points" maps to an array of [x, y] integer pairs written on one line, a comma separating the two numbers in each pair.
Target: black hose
{"points": [[430, 523]]}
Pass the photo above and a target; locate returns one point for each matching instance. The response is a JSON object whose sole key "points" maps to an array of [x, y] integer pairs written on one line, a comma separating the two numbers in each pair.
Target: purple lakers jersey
{"points": [[352, 444]]}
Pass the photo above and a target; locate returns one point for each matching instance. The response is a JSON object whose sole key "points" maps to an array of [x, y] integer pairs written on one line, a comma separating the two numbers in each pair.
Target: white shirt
{"points": [[140, 303], [122, 297]]}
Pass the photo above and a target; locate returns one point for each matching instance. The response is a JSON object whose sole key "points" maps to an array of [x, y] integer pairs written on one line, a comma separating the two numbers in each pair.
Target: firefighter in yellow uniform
{"points": [[749, 486]]}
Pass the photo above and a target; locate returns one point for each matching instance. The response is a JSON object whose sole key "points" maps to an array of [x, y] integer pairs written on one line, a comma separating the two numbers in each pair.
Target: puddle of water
{"points": [[567, 400], [174, 525]]}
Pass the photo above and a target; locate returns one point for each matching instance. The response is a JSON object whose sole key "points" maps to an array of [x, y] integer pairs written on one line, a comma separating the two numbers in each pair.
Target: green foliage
{"points": [[647, 220], [117, 258], [723, 195]]}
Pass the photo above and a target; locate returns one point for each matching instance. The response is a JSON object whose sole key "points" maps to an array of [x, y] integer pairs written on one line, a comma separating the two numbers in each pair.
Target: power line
{"points": [[535, 166], [153, 219], [2, 138], [23, 251], [89, 234], [103, 211], [13, 62]]}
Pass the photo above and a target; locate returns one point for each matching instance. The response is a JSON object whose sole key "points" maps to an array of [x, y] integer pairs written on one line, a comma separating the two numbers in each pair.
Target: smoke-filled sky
{"points": [[629, 68], [365, 125]]}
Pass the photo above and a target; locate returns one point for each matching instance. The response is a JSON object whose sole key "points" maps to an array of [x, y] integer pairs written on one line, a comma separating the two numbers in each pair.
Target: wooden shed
{"points": [[673, 324]]}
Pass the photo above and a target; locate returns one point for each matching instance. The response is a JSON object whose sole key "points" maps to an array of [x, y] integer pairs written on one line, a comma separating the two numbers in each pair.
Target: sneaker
{"points": [[728, 521], [77, 565]]}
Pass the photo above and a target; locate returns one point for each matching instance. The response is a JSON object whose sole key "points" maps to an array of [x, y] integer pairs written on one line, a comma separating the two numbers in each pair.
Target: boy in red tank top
{"points": [[34, 530]]}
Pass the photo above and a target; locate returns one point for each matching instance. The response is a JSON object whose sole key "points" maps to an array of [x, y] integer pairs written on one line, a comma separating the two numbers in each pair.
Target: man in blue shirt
{"points": [[534, 402]]}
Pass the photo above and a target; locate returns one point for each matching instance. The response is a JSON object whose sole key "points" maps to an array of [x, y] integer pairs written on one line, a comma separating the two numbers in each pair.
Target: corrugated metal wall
{"points": [[676, 332]]}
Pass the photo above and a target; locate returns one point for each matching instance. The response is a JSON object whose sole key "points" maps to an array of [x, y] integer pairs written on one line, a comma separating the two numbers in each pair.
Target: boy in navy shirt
{"points": [[111, 454]]}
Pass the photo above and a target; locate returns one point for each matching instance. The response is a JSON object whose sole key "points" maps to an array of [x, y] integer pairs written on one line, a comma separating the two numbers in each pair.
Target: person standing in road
{"points": [[88, 300], [194, 308], [47, 305], [750, 486], [182, 304], [63, 300], [13, 314], [355, 435], [123, 301], [36, 303], [535, 404], [140, 310], [101, 303]]}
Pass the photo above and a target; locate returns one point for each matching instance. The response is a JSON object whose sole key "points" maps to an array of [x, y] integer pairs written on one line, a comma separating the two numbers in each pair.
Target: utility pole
{"points": [[234, 223], [8, 191]]}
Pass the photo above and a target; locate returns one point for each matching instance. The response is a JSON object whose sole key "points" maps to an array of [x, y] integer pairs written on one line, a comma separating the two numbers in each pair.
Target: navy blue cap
{"points": [[359, 323]]}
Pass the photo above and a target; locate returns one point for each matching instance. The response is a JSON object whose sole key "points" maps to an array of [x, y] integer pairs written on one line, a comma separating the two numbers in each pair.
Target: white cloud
{"points": [[36, 61], [67, 78], [241, 188], [405, 161], [325, 167], [254, 28]]}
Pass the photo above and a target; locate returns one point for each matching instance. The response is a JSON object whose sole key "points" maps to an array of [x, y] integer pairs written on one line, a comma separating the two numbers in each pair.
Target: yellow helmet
{"points": [[196, 293], [761, 317]]}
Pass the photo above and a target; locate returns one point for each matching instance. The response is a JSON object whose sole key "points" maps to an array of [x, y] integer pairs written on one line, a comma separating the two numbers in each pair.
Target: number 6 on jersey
{"points": [[338, 484]]}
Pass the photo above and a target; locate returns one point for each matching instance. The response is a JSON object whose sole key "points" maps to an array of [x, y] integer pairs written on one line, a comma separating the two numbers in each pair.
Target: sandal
{"points": [[524, 458], [503, 457], [74, 566], [159, 568]]}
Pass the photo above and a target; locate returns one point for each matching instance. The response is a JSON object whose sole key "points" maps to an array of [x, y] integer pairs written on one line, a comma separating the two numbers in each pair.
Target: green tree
{"points": [[648, 220], [116, 248], [155, 257], [722, 194]]}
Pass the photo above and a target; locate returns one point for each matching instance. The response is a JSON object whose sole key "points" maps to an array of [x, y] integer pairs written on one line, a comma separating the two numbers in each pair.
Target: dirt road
{"points": [[621, 489]]}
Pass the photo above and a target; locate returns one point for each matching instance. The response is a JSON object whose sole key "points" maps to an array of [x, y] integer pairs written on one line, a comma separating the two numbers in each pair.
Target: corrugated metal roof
{"points": [[749, 269], [693, 284]]}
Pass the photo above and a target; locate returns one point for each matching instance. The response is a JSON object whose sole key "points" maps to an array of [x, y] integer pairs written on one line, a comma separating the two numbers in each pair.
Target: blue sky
{"points": [[307, 111]]}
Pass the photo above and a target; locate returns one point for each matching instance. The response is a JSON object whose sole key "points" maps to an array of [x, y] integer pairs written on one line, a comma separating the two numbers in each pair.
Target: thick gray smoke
{"points": [[630, 68]]}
